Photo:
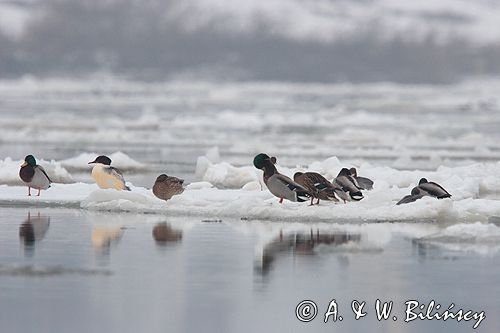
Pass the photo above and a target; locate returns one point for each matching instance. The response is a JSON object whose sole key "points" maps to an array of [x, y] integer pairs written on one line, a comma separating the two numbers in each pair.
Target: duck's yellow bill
{"points": [[24, 164]]}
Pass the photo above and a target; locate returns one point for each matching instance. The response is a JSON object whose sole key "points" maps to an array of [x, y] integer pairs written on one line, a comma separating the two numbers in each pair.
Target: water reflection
{"points": [[301, 244], [163, 234], [33, 230], [104, 237]]}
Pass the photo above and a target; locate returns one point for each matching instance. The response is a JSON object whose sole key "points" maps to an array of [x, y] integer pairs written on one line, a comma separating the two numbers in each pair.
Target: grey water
{"points": [[82, 271]]}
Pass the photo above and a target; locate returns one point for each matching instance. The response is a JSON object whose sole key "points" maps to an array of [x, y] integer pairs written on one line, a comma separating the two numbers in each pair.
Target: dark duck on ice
{"points": [[166, 187], [348, 184], [319, 187], [279, 185], [33, 175], [425, 188]]}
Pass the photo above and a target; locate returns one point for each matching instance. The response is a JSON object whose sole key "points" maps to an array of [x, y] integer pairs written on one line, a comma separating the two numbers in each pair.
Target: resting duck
{"points": [[33, 175], [107, 176], [363, 182], [348, 184], [433, 189], [166, 187], [425, 188], [279, 185], [319, 187]]}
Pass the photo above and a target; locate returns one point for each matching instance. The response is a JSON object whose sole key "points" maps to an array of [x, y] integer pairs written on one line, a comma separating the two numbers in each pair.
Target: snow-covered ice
{"points": [[236, 193]]}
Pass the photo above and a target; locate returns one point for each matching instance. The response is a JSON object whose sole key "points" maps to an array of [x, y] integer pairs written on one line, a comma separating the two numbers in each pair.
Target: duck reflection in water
{"points": [[33, 230], [163, 234], [103, 237], [301, 244]]}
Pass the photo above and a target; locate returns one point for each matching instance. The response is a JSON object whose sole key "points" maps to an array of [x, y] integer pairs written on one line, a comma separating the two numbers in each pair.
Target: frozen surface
{"points": [[168, 125], [119, 160], [236, 192]]}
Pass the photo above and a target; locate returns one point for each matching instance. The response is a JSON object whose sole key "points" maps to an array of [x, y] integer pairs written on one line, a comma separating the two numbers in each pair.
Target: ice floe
{"points": [[230, 191], [120, 160]]}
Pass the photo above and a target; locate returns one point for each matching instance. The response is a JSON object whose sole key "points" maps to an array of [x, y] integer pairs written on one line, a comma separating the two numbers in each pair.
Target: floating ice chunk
{"points": [[109, 199], [199, 185], [223, 174], [213, 155], [252, 186], [119, 160]]}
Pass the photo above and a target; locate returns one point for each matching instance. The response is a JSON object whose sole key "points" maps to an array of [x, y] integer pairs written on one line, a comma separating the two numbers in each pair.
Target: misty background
{"points": [[280, 40]]}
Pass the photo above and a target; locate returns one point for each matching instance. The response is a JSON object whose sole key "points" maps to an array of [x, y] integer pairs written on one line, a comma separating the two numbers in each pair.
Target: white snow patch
{"points": [[119, 160]]}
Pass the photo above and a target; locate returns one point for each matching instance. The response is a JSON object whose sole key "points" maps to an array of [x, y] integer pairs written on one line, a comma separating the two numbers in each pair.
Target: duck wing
{"points": [[39, 167], [115, 173], [435, 190], [365, 183], [283, 187]]}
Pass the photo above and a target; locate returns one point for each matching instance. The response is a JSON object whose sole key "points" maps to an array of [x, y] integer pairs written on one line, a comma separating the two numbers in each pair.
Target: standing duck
{"points": [[425, 188], [166, 187], [349, 184], [363, 182], [107, 176], [279, 185], [319, 186], [33, 175]]}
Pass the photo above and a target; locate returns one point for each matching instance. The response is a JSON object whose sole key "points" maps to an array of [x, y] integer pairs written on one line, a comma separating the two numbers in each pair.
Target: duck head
{"points": [[353, 172], [163, 177], [29, 160], [344, 172], [102, 160], [261, 159], [422, 181], [297, 175]]}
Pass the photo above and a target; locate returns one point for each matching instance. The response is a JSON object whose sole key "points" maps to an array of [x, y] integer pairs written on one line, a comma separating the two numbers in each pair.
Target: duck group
{"points": [[305, 186]]}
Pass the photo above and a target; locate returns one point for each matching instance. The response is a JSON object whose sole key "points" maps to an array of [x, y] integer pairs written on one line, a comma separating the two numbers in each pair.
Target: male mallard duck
{"points": [[33, 175], [107, 176], [279, 185], [348, 184], [166, 187], [425, 188], [433, 189], [363, 182], [319, 186]]}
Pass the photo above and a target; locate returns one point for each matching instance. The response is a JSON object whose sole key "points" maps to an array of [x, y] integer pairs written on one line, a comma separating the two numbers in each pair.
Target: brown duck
{"points": [[319, 186], [166, 187]]}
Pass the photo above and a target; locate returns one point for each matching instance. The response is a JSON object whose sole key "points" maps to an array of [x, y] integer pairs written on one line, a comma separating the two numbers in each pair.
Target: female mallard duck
{"points": [[425, 188], [349, 184], [279, 185], [319, 186], [33, 175], [363, 182], [166, 187], [107, 176]]}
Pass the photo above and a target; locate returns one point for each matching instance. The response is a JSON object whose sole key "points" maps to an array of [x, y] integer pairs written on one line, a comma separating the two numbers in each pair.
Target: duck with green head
{"points": [[279, 185], [33, 175]]}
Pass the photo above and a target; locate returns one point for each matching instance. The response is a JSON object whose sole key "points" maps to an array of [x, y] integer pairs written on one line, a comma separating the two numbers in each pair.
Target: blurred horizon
{"points": [[326, 41]]}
